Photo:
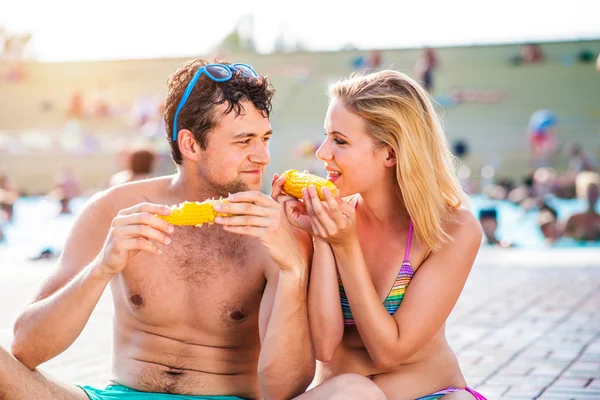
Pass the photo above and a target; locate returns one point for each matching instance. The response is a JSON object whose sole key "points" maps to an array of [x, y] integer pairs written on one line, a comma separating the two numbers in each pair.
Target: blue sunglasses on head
{"points": [[216, 72]]}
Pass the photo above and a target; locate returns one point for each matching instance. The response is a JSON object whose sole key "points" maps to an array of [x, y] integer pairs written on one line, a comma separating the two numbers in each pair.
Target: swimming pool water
{"points": [[520, 226]]}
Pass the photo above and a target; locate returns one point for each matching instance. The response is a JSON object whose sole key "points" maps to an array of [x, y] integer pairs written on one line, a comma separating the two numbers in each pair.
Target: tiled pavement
{"points": [[519, 332]]}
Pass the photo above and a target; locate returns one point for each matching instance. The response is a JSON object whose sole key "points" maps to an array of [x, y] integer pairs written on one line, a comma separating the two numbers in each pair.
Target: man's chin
{"points": [[252, 187]]}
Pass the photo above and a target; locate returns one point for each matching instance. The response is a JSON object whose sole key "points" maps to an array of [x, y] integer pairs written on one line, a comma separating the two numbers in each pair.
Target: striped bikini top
{"points": [[395, 296]]}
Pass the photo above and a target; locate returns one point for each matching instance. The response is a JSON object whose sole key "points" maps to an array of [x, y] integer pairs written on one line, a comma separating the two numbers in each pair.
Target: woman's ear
{"points": [[188, 146], [390, 160]]}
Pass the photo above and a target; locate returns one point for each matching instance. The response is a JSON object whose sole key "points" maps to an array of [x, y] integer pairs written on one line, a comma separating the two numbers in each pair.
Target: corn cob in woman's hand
{"points": [[191, 213], [295, 181]]}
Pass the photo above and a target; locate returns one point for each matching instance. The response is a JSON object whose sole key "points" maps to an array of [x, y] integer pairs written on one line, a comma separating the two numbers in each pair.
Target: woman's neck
{"points": [[383, 206]]}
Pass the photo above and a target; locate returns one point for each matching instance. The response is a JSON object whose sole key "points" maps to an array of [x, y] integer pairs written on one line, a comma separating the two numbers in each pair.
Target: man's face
{"points": [[237, 152], [489, 226]]}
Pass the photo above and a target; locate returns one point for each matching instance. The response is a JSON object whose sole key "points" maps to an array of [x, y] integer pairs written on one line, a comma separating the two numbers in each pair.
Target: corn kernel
{"points": [[193, 213], [295, 181]]}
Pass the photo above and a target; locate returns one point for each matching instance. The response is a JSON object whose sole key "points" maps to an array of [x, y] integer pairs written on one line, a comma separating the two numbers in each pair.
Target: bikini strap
{"points": [[410, 231]]}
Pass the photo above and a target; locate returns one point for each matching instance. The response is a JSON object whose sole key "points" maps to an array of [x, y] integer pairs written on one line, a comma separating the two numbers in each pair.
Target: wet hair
{"points": [[548, 208], [487, 213], [528, 180], [198, 114]]}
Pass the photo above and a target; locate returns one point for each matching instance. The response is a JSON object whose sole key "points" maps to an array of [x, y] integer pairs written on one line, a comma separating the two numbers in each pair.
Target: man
{"points": [[585, 226], [139, 165], [199, 312], [488, 218], [548, 223]]}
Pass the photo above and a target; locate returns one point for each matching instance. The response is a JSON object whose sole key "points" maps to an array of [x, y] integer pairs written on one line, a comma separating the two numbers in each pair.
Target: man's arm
{"points": [[98, 248], [61, 308], [286, 365]]}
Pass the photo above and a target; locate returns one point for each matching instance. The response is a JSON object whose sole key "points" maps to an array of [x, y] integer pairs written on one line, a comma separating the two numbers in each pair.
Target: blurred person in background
{"points": [[398, 233], [66, 188], [8, 197], [75, 109], [541, 132], [549, 182], [9, 194], [578, 160], [548, 224], [525, 194], [140, 164], [501, 188], [425, 67], [585, 226], [374, 60], [531, 53], [488, 218]]}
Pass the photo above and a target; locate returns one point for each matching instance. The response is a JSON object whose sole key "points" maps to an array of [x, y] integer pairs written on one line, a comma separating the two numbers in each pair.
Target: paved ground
{"points": [[519, 332]]}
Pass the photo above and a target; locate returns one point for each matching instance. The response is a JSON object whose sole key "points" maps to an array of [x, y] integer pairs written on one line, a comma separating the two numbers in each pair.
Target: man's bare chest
{"points": [[204, 277]]}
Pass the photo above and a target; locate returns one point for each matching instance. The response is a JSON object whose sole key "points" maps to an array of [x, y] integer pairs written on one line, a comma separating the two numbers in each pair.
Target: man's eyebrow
{"points": [[243, 135]]}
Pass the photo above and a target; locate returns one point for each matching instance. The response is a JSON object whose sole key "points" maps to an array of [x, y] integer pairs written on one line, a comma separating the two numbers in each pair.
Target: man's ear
{"points": [[390, 160], [188, 146]]}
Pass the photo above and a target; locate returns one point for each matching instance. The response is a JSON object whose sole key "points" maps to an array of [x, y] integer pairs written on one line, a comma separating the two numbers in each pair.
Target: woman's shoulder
{"points": [[464, 226], [464, 230]]}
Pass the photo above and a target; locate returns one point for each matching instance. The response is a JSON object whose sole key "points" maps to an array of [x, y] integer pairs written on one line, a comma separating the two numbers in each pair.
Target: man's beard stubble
{"points": [[224, 190], [216, 189]]}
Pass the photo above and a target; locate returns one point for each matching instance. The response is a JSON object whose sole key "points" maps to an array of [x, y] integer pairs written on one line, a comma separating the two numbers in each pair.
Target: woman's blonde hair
{"points": [[399, 113]]}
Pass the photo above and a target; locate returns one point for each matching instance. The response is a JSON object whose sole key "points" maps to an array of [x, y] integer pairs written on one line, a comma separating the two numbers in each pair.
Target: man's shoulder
{"points": [[117, 198]]}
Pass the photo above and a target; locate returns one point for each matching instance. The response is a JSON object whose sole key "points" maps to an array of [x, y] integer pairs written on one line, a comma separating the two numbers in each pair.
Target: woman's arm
{"points": [[324, 305], [429, 299]]}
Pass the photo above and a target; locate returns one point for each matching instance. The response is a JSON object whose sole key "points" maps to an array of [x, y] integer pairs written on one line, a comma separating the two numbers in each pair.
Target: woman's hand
{"points": [[295, 210], [332, 220]]}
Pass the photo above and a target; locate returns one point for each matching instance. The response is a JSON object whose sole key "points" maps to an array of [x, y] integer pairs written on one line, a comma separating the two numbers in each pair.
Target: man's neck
{"points": [[188, 188], [492, 239]]}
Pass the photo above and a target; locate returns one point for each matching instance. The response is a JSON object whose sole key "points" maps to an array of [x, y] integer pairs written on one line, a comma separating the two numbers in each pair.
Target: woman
{"points": [[392, 257]]}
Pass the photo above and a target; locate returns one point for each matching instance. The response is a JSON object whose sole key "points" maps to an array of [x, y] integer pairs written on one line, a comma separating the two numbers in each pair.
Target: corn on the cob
{"points": [[295, 181], [191, 213]]}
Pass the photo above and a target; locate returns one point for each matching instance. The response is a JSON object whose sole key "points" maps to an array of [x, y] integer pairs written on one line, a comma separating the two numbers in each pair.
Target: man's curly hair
{"points": [[198, 114]]}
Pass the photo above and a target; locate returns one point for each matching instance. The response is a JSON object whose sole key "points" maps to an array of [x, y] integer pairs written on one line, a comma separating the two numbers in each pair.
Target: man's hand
{"points": [[133, 230], [258, 215]]}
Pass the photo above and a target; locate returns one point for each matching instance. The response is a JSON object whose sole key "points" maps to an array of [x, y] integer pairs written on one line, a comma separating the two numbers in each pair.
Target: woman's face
{"points": [[352, 161]]}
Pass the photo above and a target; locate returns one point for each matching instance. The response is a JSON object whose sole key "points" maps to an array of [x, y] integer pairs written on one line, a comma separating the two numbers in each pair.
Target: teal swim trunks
{"points": [[118, 392]]}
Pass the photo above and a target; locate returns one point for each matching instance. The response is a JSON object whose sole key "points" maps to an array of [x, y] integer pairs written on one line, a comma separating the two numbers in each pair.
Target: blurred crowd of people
{"points": [[580, 181]]}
